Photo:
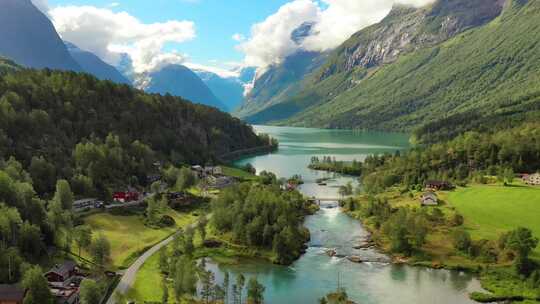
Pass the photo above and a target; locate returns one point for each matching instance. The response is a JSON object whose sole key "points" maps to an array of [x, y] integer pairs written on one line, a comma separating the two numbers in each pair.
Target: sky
{"points": [[216, 35]]}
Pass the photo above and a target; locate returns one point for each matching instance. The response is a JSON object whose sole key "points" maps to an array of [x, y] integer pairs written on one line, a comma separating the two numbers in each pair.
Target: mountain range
{"points": [[453, 60], [25, 29]]}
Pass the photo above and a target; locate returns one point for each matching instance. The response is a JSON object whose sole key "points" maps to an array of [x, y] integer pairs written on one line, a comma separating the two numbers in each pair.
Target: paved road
{"points": [[128, 278]]}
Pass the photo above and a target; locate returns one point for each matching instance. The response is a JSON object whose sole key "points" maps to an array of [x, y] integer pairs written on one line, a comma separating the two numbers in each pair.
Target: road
{"points": [[128, 278]]}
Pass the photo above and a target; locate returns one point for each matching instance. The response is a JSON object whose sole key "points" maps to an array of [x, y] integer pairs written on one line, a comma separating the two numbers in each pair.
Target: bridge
{"points": [[319, 200]]}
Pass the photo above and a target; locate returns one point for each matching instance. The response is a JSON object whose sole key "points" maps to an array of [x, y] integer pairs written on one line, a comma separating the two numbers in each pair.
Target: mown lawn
{"points": [[490, 210], [238, 173], [129, 236]]}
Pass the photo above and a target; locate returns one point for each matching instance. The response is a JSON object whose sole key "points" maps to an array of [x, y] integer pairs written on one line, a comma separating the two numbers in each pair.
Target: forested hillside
{"points": [[483, 77], [73, 126]]}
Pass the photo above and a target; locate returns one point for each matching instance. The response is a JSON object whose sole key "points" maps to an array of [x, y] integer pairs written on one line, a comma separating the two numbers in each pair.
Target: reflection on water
{"points": [[315, 273]]}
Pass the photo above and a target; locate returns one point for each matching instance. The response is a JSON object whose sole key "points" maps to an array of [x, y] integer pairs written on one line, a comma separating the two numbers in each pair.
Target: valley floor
{"points": [[488, 211]]}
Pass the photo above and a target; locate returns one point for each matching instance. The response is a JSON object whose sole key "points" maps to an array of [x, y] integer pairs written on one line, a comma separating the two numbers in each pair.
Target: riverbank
{"points": [[492, 266], [235, 155]]}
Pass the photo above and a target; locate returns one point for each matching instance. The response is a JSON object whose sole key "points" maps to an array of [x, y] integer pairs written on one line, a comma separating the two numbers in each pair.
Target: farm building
{"points": [[429, 199]]}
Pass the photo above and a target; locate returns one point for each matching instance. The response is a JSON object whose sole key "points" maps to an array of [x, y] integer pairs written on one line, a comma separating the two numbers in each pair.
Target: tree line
{"points": [[330, 164], [468, 157]]}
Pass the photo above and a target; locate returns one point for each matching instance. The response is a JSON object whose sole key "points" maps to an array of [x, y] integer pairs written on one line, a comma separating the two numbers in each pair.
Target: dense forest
{"points": [[73, 126], [468, 157], [263, 216]]}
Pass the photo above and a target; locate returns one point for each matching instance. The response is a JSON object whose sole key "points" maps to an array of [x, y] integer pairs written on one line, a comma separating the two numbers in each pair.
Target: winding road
{"points": [[128, 278]]}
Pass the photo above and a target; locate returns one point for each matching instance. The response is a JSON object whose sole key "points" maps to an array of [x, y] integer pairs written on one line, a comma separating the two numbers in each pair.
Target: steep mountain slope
{"points": [[179, 80], [483, 75], [281, 81], [229, 90], [28, 37], [92, 64], [404, 31]]}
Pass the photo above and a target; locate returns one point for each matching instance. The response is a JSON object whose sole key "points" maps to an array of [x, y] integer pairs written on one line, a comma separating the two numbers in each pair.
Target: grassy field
{"points": [[129, 236], [238, 173], [490, 210]]}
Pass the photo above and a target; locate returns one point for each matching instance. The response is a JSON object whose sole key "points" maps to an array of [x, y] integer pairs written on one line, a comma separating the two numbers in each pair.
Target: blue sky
{"points": [[215, 22]]}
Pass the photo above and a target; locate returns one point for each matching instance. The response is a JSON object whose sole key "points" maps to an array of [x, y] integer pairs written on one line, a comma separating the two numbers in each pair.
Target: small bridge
{"points": [[319, 200]]}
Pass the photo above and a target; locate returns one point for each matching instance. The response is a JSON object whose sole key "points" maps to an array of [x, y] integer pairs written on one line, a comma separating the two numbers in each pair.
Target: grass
{"points": [[238, 173], [490, 210], [148, 284], [129, 236]]}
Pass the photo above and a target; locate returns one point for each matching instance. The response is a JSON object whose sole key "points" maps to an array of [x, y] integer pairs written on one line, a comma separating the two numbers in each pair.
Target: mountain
{"points": [[92, 64], [47, 113], [179, 80], [229, 90], [454, 65], [280, 81], [29, 38]]}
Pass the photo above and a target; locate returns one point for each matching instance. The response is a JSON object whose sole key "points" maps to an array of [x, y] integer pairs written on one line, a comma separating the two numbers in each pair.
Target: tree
{"points": [[165, 296], [240, 282], [207, 281], [226, 283], [522, 242], [63, 194], [43, 175], [100, 250], [461, 240], [201, 226], [38, 291], [90, 292], [188, 246], [83, 237], [185, 179], [255, 291], [30, 241], [163, 260]]}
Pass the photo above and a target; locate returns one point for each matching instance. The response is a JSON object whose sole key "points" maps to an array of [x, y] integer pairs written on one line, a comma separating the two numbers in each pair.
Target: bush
{"points": [[166, 221], [462, 240]]}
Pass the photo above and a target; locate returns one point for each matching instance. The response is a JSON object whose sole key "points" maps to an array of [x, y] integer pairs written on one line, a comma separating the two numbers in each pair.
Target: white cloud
{"points": [[114, 4], [335, 21], [270, 40], [108, 34], [238, 37]]}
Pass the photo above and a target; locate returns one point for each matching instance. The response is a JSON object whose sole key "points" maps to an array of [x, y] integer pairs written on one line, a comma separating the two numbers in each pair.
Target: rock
{"points": [[331, 252], [355, 259]]}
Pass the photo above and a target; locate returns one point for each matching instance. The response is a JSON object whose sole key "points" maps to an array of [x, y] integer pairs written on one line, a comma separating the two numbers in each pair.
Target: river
{"points": [[315, 273]]}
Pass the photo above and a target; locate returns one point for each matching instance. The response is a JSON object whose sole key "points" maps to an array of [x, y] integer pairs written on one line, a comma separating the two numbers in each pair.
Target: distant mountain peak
{"points": [[179, 80], [305, 30]]}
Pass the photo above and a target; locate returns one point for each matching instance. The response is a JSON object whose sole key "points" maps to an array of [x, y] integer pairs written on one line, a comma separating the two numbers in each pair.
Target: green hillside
{"points": [[479, 78], [71, 125]]}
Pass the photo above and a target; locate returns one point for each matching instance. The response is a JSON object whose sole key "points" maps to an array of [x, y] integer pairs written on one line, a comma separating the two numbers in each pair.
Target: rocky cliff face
{"points": [[406, 29]]}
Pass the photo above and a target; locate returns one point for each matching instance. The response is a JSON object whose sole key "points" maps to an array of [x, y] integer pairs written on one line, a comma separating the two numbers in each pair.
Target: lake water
{"points": [[315, 273]]}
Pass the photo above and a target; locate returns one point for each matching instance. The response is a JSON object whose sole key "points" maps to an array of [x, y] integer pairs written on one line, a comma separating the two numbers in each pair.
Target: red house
{"points": [[124, 197]]}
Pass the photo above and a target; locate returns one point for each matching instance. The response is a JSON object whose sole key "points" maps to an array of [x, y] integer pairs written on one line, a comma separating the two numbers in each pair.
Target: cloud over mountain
{"points": [[109, 34], [333, 22]]}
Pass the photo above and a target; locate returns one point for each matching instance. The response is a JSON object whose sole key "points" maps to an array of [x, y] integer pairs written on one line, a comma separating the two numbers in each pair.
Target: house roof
{"points": [[63, 269], [429, 195], [11, 292]]}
